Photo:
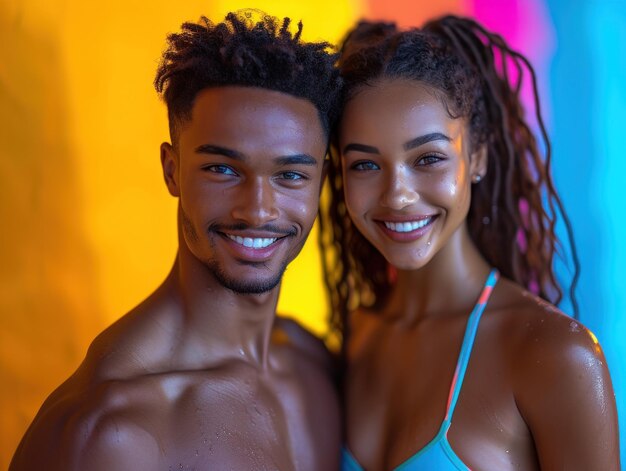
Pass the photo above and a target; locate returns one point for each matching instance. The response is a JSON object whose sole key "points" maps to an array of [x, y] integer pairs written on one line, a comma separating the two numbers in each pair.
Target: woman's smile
{"points": [[408, 230]]}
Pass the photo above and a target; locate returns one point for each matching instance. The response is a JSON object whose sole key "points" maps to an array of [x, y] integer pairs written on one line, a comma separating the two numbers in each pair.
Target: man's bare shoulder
{"points": [[95, 416], [310, 370], [140, 341], [298, 341], [89, 423]]}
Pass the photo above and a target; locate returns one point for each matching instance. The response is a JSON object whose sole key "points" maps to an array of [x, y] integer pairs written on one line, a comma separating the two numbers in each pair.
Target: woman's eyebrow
{"points": [[421, 140], [412, 144]]}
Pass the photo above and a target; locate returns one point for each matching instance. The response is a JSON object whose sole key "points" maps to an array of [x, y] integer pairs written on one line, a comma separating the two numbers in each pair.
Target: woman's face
{"points": [[407, 170]]}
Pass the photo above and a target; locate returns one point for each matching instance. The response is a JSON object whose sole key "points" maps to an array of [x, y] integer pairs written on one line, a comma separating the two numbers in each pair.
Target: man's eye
{"points": [[223, 169], [292, 176], [364, 166]]}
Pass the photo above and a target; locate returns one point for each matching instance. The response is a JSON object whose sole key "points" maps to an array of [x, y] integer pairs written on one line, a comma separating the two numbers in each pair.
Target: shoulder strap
{"points": [[468, 343]]}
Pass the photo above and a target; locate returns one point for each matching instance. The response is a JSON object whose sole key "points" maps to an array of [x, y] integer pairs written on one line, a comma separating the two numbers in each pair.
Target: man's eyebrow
{"points": [[219, 150], [361, 148], [421, 140], [295, 159]]}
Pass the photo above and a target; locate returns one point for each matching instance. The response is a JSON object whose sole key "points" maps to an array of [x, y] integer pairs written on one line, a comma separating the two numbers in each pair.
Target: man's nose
{"points": [[255, 203]]}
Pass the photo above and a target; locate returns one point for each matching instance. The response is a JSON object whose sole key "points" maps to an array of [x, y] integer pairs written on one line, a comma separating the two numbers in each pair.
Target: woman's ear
{"points": [[170, 162], [478, 164]]}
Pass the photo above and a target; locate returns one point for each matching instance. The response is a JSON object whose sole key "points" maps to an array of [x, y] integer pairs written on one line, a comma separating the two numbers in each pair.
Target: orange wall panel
{"points": [[88, 225]]}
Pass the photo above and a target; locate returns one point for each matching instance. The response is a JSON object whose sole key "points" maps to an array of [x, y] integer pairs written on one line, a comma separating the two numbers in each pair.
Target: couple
{"points": [[441, 247]]}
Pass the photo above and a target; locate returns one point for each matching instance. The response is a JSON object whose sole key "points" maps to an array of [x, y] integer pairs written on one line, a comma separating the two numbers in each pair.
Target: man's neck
{"points": [[219, 323]]}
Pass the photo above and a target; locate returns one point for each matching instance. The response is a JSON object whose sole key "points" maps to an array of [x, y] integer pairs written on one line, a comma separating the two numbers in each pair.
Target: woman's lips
{"points": [[407, 230]]}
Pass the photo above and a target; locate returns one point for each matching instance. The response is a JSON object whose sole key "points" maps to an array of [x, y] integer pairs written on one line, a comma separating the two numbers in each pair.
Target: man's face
{"points": [[248, 173]]}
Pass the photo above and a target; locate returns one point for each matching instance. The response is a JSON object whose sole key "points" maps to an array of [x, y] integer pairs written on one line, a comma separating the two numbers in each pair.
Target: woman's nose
{"points": [[400, 192]]}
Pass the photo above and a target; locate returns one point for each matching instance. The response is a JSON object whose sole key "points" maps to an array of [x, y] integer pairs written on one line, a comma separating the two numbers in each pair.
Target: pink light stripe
{"points": [[485, 295], [455, 378]]}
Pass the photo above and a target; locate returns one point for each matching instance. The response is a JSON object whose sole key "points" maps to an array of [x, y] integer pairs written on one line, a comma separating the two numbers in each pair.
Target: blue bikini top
{"points": [[438, 454]]}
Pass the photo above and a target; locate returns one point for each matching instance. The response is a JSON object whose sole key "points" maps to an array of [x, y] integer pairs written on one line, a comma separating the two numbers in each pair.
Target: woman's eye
{"points": [[222, 169], [364, 166], [429, 160]]}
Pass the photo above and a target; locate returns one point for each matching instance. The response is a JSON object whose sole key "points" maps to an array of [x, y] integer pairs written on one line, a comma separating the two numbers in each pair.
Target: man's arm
{"points": [[73, 436]]}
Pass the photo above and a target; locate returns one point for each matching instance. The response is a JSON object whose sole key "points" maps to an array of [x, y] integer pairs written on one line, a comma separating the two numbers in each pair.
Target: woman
{"points": [[455, 355]]}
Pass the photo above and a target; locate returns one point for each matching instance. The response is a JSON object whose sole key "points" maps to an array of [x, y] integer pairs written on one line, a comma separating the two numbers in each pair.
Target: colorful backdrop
{"points": [[88, 229]]}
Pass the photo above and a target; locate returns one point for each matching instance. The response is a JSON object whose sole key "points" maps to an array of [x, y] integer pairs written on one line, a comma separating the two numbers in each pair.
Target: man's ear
{"points": [[478, 163], [170, 162]]}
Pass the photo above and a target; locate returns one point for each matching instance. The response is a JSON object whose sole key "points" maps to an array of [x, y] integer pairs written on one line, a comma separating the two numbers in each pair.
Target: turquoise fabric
{"points": [[438, 454]]}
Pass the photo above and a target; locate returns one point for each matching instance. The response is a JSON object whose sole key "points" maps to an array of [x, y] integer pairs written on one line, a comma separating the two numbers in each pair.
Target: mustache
{"points": [[246, 227]]}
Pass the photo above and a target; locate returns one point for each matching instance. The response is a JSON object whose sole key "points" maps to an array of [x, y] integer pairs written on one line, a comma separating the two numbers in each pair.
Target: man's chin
{"points": [[246, 285]]}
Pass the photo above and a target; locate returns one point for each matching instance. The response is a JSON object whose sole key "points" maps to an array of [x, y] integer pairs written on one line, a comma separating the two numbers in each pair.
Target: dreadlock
{"points": [[468, 67], [248, 49]]}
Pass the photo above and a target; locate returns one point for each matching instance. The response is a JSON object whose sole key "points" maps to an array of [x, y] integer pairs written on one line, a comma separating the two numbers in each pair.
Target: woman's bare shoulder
{"points": [[532, 323], [560, 381]]}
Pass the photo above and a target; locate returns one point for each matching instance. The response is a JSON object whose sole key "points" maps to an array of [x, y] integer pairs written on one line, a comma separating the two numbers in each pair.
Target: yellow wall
{"points": [[88, 228]]}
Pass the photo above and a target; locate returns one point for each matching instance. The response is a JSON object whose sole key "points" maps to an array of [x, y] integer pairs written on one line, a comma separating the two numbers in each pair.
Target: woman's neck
{"points": [[447, 284]]}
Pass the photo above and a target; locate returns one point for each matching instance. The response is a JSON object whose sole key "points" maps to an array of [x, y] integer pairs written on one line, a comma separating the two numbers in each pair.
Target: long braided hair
{"points": [[515, 207]]}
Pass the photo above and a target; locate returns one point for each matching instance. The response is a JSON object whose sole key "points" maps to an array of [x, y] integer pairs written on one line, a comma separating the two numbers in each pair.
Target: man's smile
{"points": [[255, 243]]}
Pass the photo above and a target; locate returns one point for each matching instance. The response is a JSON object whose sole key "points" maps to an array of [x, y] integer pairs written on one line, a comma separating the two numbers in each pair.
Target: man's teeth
{"points": [[253, 242], [406, 226]]}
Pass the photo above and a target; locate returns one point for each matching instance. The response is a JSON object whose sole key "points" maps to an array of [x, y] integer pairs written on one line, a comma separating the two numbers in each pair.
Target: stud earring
{"points": [[476, 178]]}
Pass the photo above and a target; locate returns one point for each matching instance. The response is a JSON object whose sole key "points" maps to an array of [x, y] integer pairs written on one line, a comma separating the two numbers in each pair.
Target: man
{"points": [[202, 375]]}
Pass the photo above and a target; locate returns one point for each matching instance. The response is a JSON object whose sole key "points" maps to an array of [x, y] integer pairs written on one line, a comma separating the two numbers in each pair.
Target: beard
{"points": [[257, 286], [239, 286]]}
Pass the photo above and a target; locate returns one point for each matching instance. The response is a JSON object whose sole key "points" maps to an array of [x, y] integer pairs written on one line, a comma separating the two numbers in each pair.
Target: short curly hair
{"points": [[249, 49]]}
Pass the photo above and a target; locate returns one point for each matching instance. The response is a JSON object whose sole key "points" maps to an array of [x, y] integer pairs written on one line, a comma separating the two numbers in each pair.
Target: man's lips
{"points": [[252, 242], [251, 247]]}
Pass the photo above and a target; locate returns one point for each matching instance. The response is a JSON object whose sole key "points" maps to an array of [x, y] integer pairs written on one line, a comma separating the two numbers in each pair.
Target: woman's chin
{"points": [[408, 264]]}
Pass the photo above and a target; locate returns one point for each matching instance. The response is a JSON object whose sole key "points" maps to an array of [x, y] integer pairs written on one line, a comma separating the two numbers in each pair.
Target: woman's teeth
{"points": [[408, 226]]}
